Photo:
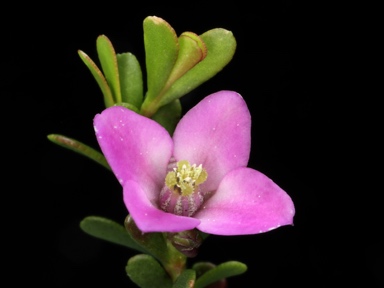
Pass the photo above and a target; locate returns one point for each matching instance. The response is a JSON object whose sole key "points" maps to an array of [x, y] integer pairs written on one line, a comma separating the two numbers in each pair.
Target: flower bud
{"points": [[186, 242]]}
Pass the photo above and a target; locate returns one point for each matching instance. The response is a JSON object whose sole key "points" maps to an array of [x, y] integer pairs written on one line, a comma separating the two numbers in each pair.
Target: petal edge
{"points": [[215, 133], [136, 148], [246, 202]]}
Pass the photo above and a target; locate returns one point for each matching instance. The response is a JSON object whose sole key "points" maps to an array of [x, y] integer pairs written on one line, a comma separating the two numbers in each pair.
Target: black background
{"points": [[289, 66]]}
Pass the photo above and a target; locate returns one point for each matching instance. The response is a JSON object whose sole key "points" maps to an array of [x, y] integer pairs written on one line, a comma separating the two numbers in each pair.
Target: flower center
{"points": [[185, 178], [181, 193]]}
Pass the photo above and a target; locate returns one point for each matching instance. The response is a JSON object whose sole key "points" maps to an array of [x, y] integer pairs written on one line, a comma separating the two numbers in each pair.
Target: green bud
{"points": [[186, 242]]}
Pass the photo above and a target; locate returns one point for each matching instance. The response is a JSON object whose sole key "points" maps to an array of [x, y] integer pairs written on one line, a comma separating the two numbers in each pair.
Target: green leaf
{"points": [[99, 77], [157, 245], [186, 279], [80, 148], [221, 46], [154, 243], [146, 272], [108, 61], [131, 79], [169, 115], [161, 50], [202, 267], [223, 270], [109, 230], [192, 50]]}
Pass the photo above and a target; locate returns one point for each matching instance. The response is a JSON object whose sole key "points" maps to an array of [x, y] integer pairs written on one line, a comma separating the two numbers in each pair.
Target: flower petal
{"points": [[246, 202], [148, 217], [135, 147], [215, 133]]}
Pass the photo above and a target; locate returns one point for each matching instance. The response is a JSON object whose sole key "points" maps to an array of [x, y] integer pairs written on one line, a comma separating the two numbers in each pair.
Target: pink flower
{"points": [[199, 177]]}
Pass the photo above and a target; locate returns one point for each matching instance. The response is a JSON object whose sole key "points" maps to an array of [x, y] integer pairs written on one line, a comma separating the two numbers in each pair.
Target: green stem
{"points": [[177, 262]]}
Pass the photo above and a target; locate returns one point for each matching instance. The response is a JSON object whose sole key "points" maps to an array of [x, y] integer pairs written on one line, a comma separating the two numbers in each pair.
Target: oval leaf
{"points": [[223, 270], [109, 230], [108, 61], [186, 279], [192, 50], [99, 77], [146, 272], [221, 46], [161, 50], [131, 79]]}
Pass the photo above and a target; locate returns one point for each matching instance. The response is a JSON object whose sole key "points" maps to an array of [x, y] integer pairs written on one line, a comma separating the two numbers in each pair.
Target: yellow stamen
{"points": [[186, 177]]}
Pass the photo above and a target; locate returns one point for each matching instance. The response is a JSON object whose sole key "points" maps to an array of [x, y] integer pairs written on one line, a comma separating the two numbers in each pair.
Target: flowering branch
{"points": [[183, 178]]}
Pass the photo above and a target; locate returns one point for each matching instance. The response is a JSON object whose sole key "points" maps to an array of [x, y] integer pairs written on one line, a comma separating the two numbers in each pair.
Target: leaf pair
{"points": [[130, 236], [177, 65], [154, 276], [174, 66], [120, 80]]}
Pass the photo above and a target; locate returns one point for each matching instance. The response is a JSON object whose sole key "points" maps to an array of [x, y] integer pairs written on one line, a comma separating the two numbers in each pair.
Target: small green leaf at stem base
{"points": [[219, 272], [186, 279], [146, 272]]}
